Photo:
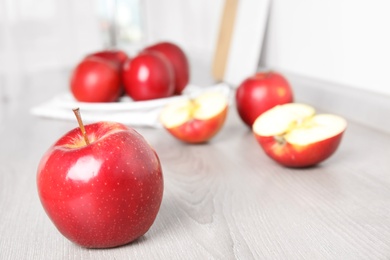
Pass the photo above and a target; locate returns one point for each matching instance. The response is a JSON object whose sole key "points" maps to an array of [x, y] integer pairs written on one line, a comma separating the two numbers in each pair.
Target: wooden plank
{"points": [[222, 200], [224, 39]]}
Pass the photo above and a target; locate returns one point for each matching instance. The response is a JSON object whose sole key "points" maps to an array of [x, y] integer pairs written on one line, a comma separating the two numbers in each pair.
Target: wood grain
{"points": [[222, 200]]}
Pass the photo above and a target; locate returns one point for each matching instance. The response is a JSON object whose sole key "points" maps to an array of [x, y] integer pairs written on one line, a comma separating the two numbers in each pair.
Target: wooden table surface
{"points": [[222, 200]]}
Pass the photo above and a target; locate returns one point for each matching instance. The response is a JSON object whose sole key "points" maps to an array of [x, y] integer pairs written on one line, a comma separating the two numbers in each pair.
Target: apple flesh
{"points": [[295, 136], [196, 120], [103, 194]]}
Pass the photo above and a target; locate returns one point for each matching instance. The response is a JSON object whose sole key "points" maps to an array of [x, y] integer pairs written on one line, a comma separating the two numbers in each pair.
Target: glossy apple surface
{"points": [[179, 61], [258, 93], [196, 120], [104, 194], [116, 56], [294, 136], [95, 80], [148, 76]]}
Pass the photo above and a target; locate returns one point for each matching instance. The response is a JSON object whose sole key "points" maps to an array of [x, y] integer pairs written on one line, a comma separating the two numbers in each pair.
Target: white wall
{"points": [[192, 24], [343, 41], [50, 34]]}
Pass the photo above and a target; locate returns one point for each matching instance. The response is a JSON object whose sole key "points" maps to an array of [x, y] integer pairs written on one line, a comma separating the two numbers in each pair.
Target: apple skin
{"points": [[179, 61], [148, 76], [298, 156], [261, 92], [116, 56], [104, 194], [95, 80], [199, 131]]}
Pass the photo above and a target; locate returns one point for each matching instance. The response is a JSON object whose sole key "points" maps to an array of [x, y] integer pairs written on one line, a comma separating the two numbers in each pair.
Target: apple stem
{"points": [[280, 140], [76, 111]]}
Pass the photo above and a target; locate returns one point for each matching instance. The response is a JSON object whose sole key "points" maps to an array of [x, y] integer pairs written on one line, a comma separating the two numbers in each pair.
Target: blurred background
{"points": [[340, 41]]}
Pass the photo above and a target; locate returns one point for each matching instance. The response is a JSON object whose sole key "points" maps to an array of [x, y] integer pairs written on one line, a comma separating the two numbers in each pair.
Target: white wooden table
{"points": [[222, 200]]}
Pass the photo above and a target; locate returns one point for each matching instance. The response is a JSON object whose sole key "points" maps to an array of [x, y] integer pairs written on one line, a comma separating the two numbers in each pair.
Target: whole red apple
{"points": [[105, 193], [148, 76], [95, 80], [260, 92], [116, 56], [179, 61]]}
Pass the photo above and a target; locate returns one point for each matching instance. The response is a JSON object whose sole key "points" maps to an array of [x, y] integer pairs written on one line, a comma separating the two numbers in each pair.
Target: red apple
{"points": [[258, 93], [148, 76], [116, 56], [294, 136], [105, 193], [195, 120], [95, 80], [178, 60]]}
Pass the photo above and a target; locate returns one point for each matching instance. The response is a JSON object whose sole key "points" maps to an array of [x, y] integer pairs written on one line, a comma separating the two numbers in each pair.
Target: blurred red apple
{"points": [[95, 80], [178, 60], [260, 92], [147, 76], [294, 136], [116, 56]]}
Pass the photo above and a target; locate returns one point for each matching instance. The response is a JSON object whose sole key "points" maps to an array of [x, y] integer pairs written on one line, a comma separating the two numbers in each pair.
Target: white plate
{"points": [[126, 111], [67, 101]]}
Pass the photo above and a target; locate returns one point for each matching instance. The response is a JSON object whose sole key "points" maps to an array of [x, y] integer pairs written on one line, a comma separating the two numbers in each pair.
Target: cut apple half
{"points": [[295, 136], [195, 120]]}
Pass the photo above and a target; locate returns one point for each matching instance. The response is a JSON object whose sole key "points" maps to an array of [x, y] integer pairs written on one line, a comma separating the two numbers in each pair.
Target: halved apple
{"points": [[196, 120], [294, 136]]}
